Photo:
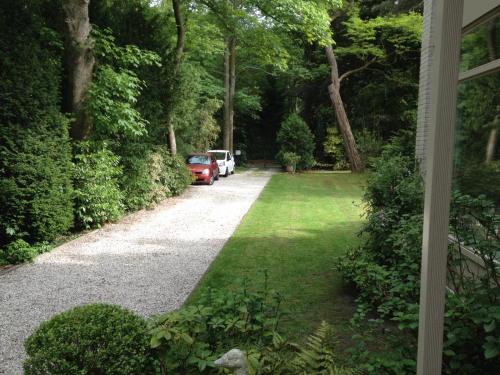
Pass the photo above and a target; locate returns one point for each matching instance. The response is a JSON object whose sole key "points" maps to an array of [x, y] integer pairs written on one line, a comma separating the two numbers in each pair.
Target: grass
{"points": [[296, 229]]}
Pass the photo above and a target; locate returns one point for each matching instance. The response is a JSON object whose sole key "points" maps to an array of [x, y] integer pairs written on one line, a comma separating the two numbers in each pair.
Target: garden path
{"points": [[149, 262]]}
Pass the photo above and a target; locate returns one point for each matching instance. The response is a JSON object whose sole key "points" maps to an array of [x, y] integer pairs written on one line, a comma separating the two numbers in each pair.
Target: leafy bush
{"points": [[93, 339], [334, 148], [295, 136], [115, 87], [370, 146], [386, 272], [190, 339], [35, 155], [290, 159], [98, 198], [151, 174], [20, 251], [175, 174]]}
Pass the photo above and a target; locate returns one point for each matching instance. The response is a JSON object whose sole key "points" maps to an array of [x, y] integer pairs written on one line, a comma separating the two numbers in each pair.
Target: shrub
{"points": [[190, 339], [370, 146], [98, 198], [175, 174], [94, 339], [386, 271], [20, 251], [151, 174], [334, 148], [141, 179], [290, 159], [35, 155], [295, 136]]}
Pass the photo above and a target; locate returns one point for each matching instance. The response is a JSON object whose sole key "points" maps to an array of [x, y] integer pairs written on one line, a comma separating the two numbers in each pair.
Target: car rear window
{"points": [[220, 155], [198, 159]]}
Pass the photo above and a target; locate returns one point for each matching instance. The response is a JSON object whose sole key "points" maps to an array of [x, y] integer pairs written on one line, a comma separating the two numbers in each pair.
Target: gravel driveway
{"points": [[149, 262]]}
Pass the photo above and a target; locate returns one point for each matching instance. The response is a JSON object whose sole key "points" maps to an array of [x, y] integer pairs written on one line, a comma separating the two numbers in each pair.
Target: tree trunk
{"points": [[232, 91], [341, 115], [179, 52], [80, 64], [227, 97]]}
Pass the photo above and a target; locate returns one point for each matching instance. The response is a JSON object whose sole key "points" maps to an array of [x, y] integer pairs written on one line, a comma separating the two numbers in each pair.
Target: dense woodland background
{"points": [[92, 128]]}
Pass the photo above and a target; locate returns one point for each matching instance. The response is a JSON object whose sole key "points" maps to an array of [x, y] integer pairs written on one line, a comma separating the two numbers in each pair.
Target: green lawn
{"points": [[296, 229]]}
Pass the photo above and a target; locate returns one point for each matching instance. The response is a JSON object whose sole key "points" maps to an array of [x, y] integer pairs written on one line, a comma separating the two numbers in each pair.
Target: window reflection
{"points": [[477, 150], [481, 45]]}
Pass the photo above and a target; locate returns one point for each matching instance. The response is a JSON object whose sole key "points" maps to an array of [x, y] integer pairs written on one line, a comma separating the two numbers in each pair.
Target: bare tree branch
{"points": [[349, 72]]}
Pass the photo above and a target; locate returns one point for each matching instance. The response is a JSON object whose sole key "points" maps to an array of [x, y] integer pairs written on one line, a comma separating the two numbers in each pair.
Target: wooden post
{"points": [[439, 163]]}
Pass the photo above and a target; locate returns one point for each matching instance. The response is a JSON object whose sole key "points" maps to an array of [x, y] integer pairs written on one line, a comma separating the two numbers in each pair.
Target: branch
{"points": [[348, 73]]}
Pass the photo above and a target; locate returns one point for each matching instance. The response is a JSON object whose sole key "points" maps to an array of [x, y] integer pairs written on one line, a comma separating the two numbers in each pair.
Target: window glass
{"points": [[476, 176], [220, 155], [477, 147], [481, 45], [228, 156], [198, 159]]}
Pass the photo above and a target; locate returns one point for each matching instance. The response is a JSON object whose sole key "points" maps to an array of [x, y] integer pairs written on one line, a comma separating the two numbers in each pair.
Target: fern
{"points": [[316, 357]]}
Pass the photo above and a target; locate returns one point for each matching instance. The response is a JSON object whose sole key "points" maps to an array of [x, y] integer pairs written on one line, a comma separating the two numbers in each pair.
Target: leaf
{"points": [[491, 350], [186, 338], [155, 342]]}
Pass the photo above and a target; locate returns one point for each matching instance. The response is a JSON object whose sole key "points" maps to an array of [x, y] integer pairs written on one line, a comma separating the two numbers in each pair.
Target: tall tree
{"points": [[355, 161], [179, 52], [367, 46], [80, 64]]}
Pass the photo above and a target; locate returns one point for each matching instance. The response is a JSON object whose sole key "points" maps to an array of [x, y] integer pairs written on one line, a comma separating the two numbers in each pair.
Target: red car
{"points": [[204, 167]]}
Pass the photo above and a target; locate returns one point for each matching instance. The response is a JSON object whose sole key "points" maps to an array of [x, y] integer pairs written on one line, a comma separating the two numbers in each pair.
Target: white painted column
{"points": [[438, 173], [424, 83]]}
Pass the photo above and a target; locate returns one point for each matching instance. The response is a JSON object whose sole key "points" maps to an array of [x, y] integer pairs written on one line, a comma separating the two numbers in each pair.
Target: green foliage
{"points": [[480, 178], [334, 148], [93, 339], [316, 356], [98, 198], [370, 37], [20, 251], [190, 339], [192, 111], [295, 136], [150, 175], [386, 271], [290, 159], [369, 146], [35, 158], [115, 87]]}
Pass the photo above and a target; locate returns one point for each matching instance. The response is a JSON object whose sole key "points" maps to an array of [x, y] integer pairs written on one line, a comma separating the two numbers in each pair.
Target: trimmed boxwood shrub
{"points": [[295, 136], [96, 339]]}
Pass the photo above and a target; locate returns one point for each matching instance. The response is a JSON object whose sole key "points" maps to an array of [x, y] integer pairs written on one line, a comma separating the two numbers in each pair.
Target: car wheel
{"points": [[227, 172], [232, 172], [217, 177], [211, 182]]}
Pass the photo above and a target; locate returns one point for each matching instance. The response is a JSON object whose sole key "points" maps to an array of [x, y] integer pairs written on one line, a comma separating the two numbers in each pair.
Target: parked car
{"points": [[204, 167], [225, 160]]}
